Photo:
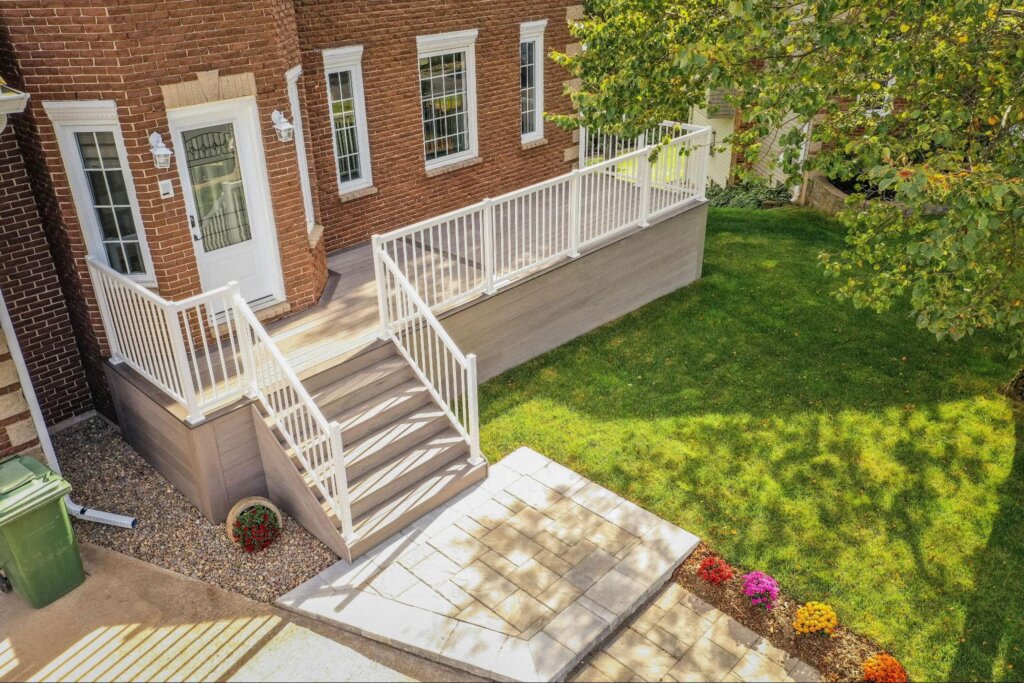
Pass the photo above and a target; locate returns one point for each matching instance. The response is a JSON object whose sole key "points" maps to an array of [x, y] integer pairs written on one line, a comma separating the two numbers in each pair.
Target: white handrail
{"points": [[477, 249], [211, 348], [449, 375], [314, 441]]}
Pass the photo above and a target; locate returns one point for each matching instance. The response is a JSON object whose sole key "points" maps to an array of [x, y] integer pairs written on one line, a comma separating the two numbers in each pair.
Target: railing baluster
{"points": [[488, 246]]}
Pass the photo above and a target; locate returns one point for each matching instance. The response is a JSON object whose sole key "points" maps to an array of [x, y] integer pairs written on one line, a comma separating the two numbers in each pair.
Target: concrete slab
{"points": [[510, 586], [131, 621]]}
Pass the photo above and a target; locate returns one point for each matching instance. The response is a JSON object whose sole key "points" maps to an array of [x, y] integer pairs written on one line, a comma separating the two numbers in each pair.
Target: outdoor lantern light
{"points": [[161, 154], [11, 102], [285, 130]]}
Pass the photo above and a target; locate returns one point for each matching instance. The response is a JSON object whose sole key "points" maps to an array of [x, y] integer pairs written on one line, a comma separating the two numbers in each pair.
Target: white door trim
{"points": [[254, 172]]}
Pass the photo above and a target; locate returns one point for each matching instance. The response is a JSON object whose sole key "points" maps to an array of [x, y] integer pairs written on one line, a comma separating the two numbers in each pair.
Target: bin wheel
{"points": [[5, 585]]}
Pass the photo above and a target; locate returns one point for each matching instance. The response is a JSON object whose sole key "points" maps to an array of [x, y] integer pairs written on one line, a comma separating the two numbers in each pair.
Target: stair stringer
{"points": [[288, 491]]}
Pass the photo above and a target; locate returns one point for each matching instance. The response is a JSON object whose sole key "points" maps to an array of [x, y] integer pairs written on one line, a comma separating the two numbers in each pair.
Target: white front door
{"points": [[219, 154]]}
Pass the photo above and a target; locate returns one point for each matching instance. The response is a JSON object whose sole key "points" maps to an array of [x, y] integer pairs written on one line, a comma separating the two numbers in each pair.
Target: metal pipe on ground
{"points": [[74, 509]]}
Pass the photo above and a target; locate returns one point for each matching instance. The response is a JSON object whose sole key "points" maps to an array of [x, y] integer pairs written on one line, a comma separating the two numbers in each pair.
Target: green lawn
{"points": [[849, 454]]}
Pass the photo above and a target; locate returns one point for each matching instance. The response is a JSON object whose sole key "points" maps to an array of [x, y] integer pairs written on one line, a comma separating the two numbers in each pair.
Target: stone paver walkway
{"points": [[517, 579], [679, 637]]}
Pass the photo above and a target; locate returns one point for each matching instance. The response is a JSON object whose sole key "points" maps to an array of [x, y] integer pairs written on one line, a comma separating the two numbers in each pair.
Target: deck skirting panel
{"points": [[531, 317]]}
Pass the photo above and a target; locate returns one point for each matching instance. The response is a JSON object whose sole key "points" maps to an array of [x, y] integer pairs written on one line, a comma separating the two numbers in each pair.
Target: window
{"points": [[447, 77], [531, 80], [89, 137], [291, 78], [343, 67]]}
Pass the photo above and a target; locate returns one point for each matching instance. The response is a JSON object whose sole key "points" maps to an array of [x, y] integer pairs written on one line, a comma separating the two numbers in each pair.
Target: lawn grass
{"points": [[849, 454]]}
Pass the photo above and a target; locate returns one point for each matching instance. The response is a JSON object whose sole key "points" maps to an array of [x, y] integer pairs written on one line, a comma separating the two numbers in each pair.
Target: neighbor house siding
{"points": [[720, 161], [17, 431]]}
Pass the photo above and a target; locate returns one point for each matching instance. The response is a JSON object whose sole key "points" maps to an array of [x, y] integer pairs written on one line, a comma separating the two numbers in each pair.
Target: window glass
{"points": [[110, 201], [528, 86], [444, 106], [345, 125]]}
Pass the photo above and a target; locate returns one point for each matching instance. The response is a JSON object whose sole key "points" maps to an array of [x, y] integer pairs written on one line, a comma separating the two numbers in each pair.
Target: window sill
{"points": [[314, 235], [538, 142], [352, 195], [454, 166]]}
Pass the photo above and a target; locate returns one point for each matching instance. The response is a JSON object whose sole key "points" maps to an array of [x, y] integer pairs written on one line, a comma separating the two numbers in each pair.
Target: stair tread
{"points": [[427, 489], [346, 364], [324, 394], [419, 418], [386, 402], [437, 448]]}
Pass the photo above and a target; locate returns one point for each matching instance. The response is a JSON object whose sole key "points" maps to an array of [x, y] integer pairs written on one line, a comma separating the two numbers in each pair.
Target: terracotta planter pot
{"points": [[244, 504]]}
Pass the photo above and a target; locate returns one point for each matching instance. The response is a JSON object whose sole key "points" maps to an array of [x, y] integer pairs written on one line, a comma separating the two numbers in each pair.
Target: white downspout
{"points": [[74, 509]]}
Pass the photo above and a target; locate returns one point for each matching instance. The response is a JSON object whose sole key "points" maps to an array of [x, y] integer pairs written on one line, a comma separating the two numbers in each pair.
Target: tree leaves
{"points": [[921, 103]]}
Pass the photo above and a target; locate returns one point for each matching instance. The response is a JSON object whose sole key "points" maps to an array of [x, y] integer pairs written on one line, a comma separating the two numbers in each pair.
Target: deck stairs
{"points": [[403, 457]]}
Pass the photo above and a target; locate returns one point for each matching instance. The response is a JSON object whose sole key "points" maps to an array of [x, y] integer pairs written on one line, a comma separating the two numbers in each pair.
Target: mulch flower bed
{"points": [[107, 474], [838, 658]]}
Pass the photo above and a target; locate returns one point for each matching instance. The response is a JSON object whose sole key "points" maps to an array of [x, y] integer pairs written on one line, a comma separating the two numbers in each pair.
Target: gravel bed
{"points": [[107, 474]]}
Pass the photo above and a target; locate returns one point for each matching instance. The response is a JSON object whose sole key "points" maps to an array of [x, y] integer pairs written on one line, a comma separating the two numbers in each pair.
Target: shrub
{"points": [[884, 668], [761, 588], [714, 570], [816, 617], [746, 195], [255, 528]]}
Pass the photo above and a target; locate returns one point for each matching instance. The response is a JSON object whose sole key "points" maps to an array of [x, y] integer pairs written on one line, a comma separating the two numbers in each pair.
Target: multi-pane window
{"points": [[528, 86], [444, 102], [348, 117], [346, 132], [111, 203], [447, 97], [531, 80]]}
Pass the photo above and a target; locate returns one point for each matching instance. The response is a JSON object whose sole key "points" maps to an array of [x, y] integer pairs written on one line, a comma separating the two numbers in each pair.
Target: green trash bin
{"points": [[38, 552]]}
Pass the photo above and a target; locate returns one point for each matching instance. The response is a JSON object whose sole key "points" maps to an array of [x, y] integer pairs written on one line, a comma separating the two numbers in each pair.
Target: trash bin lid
{"points": [[25, 484]]}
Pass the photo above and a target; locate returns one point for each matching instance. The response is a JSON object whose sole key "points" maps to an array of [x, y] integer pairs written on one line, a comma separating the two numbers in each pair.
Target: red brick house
{"points": [[198, 185]]}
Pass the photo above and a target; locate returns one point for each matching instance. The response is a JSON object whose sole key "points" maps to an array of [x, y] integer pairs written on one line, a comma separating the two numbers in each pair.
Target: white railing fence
{"points": [[449, 375], [455, 257], [315, 442], [210, 349]]}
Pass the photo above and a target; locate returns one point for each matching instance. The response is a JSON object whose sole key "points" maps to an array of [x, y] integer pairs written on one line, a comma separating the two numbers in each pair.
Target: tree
{"points": [[918, 101]]}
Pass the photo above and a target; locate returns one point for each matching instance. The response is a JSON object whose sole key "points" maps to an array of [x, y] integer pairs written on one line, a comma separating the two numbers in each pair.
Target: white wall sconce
{"points": [[11, 102], [285, 130], [161, 154]]}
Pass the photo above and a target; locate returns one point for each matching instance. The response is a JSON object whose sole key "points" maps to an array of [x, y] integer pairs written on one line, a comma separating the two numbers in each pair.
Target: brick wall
{"points": [[36, 304], [131, 50], [387, 32], [125, 52]]}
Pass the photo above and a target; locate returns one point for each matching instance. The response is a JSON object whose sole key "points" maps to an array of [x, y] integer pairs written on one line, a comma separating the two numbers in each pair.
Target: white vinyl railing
{"points": [[462, 254], [449, 375], [444, 261], [209, 349], [189, 348], [314, 441]]}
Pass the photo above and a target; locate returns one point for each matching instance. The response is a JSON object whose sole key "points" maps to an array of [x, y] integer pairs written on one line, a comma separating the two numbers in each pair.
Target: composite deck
{"points": [[347, 316]]}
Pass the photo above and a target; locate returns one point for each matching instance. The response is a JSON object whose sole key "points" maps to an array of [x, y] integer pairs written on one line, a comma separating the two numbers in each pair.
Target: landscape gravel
{"points": [[107, 474]]}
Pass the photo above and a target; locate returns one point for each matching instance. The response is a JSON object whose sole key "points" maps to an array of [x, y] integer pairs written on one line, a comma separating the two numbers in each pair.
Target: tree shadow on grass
{"points": [[993, 632]]}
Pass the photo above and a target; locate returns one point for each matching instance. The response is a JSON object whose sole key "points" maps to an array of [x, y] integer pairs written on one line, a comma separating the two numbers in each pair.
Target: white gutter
{"points": [[74, 509]]}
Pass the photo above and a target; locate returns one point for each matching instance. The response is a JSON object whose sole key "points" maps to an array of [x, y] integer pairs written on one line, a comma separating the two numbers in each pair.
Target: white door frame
{"points": [[255, 181]]}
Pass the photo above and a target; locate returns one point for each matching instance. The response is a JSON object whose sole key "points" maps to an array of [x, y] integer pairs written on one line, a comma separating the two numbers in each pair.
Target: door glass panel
{"points": [[214, 172]]}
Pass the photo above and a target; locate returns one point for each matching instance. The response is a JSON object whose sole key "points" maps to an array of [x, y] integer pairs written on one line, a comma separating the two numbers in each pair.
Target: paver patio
{"points": [[680, 638], [519, 578]]}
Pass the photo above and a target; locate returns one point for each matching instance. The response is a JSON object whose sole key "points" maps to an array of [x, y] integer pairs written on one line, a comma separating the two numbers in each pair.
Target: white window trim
{"points": [[337, 60], [291, 78], [82, 116], [440, 44], [533, 32]]}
